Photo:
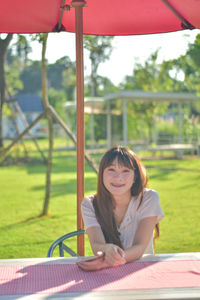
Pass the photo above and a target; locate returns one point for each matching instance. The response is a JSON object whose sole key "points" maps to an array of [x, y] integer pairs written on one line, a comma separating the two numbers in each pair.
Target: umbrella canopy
{"points": [[102, 17]]}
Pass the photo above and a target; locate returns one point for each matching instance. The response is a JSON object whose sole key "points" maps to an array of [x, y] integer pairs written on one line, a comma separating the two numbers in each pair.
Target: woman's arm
{"points": [[108, 255], [142, 237], [96, 238], [114, 255]]}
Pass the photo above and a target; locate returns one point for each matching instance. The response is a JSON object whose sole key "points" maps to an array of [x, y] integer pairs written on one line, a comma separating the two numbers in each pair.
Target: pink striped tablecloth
{"points": [[62, 278]]}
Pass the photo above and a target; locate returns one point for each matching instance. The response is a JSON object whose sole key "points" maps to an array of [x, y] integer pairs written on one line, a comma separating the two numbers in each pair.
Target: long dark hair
{"points": [[103, 201]]}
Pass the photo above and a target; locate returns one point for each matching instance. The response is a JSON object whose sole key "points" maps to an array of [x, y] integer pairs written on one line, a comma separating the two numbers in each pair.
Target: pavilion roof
{"points": [[183, 97]]}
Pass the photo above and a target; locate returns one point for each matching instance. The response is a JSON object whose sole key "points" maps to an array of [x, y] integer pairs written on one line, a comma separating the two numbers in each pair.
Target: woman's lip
{"points": [[117, 185]]}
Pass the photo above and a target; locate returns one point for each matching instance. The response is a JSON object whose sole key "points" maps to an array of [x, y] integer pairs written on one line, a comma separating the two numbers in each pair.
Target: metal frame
{"points": [[62, 246]]}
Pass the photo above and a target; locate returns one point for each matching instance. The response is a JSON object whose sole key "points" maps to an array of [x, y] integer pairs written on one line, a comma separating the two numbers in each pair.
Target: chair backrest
{"points": [[62, 247]]}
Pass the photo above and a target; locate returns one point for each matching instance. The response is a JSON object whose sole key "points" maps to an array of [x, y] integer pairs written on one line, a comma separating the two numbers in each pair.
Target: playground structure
{"points": [[102, 105]]}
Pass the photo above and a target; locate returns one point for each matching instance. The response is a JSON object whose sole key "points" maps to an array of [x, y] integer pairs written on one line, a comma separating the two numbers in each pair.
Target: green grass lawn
{"points": [[22, 188]]}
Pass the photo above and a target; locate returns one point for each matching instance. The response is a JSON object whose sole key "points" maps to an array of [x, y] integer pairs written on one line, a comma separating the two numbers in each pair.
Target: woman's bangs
{"points": [[122, 158], [125, 161]]}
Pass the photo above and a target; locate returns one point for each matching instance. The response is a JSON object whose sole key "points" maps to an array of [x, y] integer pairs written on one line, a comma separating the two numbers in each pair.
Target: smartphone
{"points": [[88, 259], [92, 258]]}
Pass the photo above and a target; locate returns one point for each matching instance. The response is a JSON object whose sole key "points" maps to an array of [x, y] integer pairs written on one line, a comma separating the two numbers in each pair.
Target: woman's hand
{"points": [[94, 263], [115, 257], [108, 255]]}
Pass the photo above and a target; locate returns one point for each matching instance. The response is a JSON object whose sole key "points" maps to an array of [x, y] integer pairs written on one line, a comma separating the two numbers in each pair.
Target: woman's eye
{"points": [[126, 171], [111, 169]]}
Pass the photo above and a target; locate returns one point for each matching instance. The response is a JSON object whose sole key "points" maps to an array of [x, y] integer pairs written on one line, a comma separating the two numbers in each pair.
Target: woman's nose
{"points": [[118, 174]]}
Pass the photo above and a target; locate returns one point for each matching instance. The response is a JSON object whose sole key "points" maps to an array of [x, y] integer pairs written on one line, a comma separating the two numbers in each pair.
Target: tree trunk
{"points": [[50, 127], [4, 43], [94, 84]]}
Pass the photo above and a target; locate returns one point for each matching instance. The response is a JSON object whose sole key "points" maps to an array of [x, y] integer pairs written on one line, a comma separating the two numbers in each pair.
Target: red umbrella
{"points": [[113, 17], [100, 17]]}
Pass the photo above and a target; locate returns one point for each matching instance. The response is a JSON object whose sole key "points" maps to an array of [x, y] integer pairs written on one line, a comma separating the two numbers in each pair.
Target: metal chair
{"points": [[62, 247]]}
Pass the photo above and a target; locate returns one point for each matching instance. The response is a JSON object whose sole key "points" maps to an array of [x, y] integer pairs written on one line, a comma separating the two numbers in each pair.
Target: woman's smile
{"points": [[117, 185]]}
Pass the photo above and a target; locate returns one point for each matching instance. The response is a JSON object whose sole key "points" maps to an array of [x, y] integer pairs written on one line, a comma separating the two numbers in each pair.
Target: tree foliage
{"points": [[148, 77], [100, 48], [31, 78], [57, 70]]}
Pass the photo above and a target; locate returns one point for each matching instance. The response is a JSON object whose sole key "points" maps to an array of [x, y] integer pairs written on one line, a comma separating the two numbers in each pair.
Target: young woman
{"points": [[120, 219]]}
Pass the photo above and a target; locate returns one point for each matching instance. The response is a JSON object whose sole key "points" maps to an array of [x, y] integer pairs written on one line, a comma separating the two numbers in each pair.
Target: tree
{"points": [[57, 98], [31, 77], [148, 77], [189, 66], [57, 70], [104, 86], [194, 52], [13, 80], [21, 48], [43, 38], [59, 74], [100, 48], [4, 43], [16, 62], [69, 82]]}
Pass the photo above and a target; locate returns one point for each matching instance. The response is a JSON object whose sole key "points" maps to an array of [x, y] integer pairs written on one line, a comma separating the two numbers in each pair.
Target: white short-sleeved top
{"points": [[149, 207]]}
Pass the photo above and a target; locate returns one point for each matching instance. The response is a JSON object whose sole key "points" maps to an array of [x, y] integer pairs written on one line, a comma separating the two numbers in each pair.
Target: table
{"points": [[59, 278]]}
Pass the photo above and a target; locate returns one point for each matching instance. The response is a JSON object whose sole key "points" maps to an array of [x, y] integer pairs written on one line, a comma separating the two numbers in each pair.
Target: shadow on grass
{"points": [[164, 172], [25, 243], [171, 168], [28, 221], [61, 164], [68, 187], [195, 184], [160, 173]]}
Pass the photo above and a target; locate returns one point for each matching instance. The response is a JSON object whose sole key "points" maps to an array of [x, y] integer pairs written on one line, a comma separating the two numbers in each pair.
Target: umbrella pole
{"points": [[78, 5]]}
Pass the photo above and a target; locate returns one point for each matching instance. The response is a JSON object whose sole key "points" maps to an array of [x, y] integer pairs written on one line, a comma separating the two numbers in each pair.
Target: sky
{"points": [[127, 50]]}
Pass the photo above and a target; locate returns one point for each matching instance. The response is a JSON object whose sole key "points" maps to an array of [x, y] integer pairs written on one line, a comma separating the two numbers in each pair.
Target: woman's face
{"points": [[118, 179]]}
